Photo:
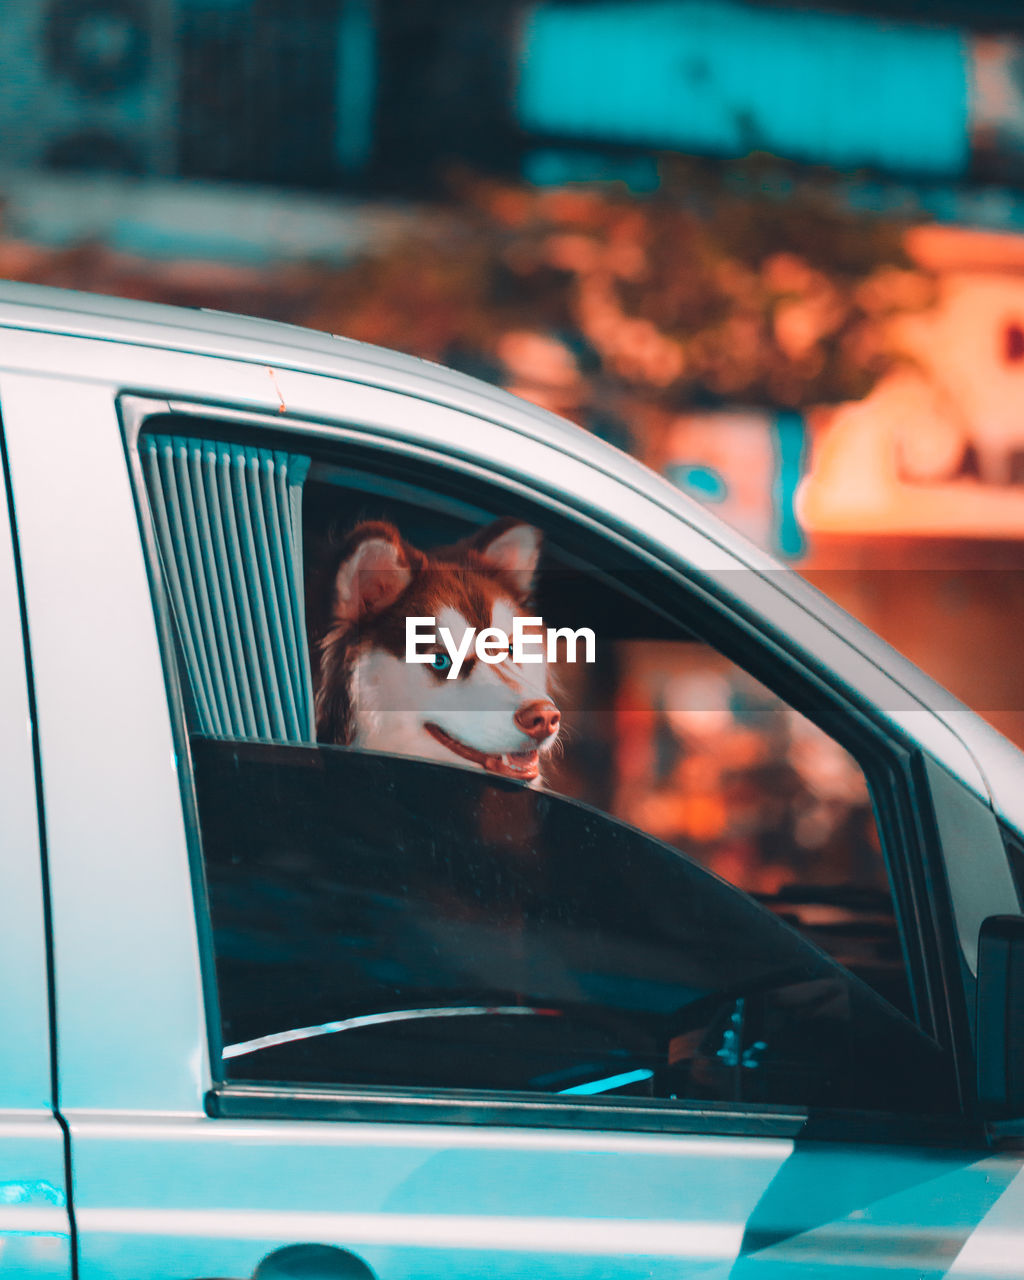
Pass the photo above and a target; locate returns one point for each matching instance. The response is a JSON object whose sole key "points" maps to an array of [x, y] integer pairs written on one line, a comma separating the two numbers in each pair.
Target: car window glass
{"points": [[387, 921], [475, 872], [665, 733]]}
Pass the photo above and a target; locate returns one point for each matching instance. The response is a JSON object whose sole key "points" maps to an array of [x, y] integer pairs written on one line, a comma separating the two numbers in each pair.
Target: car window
{"points": [[387, 921], [626, 867], [661, 730]]}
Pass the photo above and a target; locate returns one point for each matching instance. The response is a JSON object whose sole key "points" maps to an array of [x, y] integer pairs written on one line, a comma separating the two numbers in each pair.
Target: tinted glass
{"points": [[385, 921], [660, 730]]}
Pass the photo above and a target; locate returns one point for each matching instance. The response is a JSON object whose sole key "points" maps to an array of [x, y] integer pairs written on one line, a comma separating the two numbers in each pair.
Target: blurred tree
{"points": [[700, 295]]}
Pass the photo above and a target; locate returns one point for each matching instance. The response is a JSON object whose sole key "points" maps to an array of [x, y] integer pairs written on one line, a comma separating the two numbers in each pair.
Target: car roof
{"points": [[204, 331], [267, 342], [287, 346]]}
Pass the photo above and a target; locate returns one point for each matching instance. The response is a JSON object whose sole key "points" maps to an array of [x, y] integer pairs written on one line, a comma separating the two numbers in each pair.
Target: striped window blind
{"points": [[228, 521]]}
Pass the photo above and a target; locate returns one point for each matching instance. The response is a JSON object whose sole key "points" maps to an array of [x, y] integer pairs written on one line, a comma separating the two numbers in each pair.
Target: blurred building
{"points": [[90, 84], [385, 95]]}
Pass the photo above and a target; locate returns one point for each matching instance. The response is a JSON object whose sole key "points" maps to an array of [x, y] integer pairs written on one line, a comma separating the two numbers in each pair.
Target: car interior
{"points": [[693, 905]]}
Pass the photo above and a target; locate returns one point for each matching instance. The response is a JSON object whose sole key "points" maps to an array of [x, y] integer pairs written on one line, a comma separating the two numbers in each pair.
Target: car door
{"points": [[35, 1230], [435, 1155]]}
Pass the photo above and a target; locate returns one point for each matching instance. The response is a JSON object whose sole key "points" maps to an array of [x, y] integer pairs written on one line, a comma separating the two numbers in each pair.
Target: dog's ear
{"points": [[512, 547], [374, 571]]}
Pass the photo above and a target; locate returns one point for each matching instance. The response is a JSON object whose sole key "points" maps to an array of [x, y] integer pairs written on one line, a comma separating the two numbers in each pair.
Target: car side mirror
{"points": [[999, 1039]]}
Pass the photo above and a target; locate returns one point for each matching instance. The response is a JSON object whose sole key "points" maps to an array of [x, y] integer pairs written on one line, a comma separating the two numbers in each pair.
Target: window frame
{"points": [[901, 801]]}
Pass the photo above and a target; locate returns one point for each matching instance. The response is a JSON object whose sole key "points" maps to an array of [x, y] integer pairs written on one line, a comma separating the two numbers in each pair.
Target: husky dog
{"points": [[500, 717]]}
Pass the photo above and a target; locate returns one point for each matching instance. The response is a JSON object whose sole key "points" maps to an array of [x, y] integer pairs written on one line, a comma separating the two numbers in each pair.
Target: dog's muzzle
{"points": [[522, 765]]}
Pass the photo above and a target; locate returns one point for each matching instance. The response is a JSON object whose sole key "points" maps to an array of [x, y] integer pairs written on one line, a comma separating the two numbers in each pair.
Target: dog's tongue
{"points": [[515, 764]]}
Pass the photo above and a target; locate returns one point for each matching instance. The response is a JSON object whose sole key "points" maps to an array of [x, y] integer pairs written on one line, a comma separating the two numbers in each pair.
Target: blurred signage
{"points": [[746, 465], [937, 448], [891, 467], [722, 78]]}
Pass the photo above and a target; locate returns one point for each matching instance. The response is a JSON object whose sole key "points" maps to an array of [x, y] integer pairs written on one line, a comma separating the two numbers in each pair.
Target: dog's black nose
{"points": [[538, 719]]}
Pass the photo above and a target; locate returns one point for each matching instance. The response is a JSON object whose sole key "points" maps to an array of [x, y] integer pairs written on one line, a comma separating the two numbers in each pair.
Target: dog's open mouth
{"points": [[524, 765]]}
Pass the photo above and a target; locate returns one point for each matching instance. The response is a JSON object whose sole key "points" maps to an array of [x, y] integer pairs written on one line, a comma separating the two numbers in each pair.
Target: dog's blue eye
{"points": [[440, 662]]}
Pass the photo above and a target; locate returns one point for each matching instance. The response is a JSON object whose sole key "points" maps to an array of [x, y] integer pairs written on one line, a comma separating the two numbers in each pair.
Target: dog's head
{"points": [[499, 717]]}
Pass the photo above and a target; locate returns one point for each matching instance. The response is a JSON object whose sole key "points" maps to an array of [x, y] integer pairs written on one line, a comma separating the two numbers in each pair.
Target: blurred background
{"points": [[774, 250]]}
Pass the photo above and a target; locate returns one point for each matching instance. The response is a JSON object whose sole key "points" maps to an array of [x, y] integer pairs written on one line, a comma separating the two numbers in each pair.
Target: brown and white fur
{"points": [[499, 718]]}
